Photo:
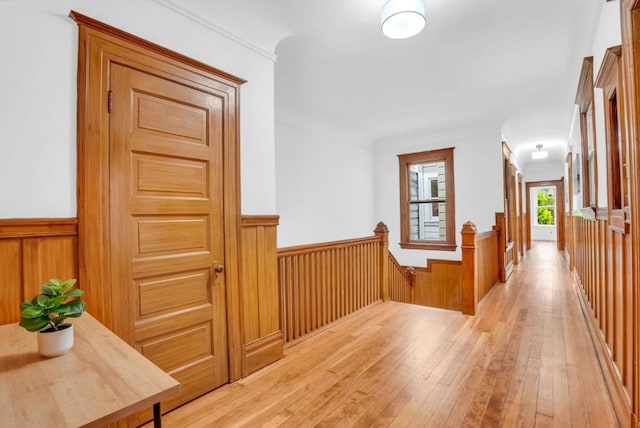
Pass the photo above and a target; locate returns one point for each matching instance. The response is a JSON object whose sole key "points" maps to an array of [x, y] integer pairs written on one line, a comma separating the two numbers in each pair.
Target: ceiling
{"points": [[508, 67]]}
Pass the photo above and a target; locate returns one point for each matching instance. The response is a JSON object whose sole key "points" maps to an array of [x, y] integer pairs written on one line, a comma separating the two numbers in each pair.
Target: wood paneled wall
{"points": [[488, 267], [451, 284], [630, 23], [263, 342], [602, 270], [321, 283], [32, 251], [439, 285]]}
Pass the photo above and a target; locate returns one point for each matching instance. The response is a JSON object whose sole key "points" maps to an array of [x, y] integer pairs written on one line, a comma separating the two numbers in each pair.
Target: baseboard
{"points": [[262, 352]]}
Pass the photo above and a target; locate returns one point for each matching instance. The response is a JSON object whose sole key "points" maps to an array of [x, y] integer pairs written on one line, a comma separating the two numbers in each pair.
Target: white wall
{"points": [[38, 109], [324, 181], [477, 165], [543, 171]]}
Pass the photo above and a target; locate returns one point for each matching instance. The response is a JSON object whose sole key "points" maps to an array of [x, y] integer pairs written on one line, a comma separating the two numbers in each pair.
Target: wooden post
{"points": [[469, 268], [382, 232]]}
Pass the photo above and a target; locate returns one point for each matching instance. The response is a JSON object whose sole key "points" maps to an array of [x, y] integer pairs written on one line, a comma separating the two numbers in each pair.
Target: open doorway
{"points": [[545, 209], [543, 214]]}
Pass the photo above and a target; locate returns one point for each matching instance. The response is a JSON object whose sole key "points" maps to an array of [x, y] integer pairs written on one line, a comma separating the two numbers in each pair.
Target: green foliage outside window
{"points": [[545, 216], [546, 206]]}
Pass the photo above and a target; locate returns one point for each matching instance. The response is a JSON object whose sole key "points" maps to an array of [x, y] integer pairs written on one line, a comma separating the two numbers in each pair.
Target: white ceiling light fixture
{"points": [[539, 153], [402, 19]]}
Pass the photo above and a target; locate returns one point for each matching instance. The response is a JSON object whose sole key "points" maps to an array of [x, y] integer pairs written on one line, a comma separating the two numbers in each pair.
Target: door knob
{"points": [[219, 268]]}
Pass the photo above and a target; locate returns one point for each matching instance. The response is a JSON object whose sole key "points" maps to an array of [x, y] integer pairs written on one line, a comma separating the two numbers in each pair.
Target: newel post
{"points": [[382, 232], [469, 268]]}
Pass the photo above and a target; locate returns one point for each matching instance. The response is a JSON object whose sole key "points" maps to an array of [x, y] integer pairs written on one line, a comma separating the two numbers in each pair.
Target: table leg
{"points": [[157, 416]]}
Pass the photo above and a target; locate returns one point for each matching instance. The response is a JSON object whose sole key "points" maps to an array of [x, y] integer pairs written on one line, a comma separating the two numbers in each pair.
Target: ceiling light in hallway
{"points": [[402, 19], [539, 153]]}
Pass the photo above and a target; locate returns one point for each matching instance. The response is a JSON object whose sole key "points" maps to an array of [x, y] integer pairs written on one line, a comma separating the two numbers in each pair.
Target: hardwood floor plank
{"points": [[525, 360]]}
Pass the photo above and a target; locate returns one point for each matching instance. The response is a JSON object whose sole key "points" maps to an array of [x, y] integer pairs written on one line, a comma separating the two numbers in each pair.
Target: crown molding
{"points": [[174, 7]]}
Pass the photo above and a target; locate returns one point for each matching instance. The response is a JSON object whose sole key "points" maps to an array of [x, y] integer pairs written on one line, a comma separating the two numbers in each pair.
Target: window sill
{"points": [[428, 246]]}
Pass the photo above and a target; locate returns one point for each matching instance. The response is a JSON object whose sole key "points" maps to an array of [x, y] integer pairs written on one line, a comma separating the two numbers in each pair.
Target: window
{"points": [[427, 202], [609, 79], [546, 206], [589, 167]]}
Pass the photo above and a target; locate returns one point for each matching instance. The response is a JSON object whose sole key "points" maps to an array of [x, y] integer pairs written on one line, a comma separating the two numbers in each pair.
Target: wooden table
{"points": [[100, 380]]}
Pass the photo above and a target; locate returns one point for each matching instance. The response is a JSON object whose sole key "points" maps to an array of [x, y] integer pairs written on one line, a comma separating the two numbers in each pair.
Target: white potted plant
{"points": [[46, 312]]}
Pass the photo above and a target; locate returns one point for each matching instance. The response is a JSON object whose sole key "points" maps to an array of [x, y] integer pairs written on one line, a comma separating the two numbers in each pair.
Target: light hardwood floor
{"points": [[525, 360]]}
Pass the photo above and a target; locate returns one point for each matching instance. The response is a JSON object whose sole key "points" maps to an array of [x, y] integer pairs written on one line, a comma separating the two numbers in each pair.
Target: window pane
{"points": [[546, 216], [546, 197], [428, 221], [427, 181], [427, 206]]}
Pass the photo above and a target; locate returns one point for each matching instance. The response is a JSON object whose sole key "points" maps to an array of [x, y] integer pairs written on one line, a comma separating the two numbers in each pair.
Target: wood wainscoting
{"points": [[602, 271], [259, 288], [32, 251], [439, 285], [457, 285]]}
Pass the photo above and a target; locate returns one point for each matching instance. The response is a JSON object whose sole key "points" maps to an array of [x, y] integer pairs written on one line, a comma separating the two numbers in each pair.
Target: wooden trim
{"points": [[630, 23], [436, 247], [584, 99], [559, 186], [446, 155], [18, 228], [263, 352], [101, 27], [434, 262], [298, 249], [487, 234], [584, 94], [610, 60], [610, 79], [261, 322], [260, 220], [99, 46]]}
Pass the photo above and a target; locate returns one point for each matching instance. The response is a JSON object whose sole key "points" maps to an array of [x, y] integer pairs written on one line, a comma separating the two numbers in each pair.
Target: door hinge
{"points": [[109, 101]]}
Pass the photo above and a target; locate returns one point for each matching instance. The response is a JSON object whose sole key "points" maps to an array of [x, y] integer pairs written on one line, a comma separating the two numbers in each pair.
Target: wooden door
{"points": [[167, 230]]}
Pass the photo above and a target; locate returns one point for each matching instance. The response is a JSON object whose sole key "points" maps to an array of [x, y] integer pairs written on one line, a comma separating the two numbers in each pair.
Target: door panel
{"points": [[167, 226]]}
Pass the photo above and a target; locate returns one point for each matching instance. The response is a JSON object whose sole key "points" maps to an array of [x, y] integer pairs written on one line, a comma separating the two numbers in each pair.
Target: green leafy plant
{"points": [[57, 301]]}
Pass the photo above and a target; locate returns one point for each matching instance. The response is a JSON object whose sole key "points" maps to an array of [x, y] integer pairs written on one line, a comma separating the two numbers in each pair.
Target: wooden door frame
{"points": [[559, 186], [100, 45], [630, 23]]}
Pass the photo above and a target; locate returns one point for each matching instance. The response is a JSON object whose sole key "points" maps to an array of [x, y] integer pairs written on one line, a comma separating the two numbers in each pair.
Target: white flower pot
{"points": [[54, 343]]}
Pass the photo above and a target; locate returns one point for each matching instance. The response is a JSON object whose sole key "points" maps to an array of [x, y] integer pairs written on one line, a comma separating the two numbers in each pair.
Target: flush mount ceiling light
{"points": [[539, 153], [402, 19]]}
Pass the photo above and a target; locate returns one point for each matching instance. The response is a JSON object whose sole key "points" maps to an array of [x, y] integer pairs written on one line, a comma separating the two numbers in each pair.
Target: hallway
{"points": [[525, 360]]}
